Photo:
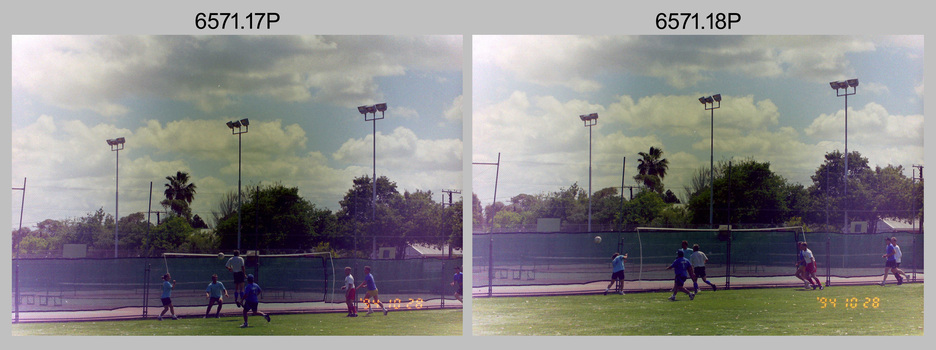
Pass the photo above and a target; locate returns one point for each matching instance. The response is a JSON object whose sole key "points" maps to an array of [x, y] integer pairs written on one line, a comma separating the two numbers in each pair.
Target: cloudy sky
{"points": [[170, 97], [777, 107]]}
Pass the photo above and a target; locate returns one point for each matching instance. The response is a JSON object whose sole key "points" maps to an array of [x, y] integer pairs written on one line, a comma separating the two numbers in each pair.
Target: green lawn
{"points": [[769, 311], [422, 322]]}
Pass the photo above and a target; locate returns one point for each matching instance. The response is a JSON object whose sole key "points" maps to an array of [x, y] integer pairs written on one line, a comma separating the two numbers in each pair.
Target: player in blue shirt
{"points": [[683, 270], [457, 283], [617, 273], [166, 297], [890, 253], [371, 296], [251, 300], [213, 293]]}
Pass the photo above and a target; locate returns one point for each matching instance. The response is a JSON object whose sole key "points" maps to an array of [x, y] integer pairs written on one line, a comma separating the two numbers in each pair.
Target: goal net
{"points": [[284, 278]]}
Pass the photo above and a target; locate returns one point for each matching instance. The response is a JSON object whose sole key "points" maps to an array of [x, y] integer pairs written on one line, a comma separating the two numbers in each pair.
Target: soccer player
{"points": [[698, 260], [683, 271], [371, 294], [890, 264], [801, 265], [897, 256], [166, 297], [457, 283], [809, 270], [617, 273], [237, 266], [213, 293], [351, 292], [685, 250], [252, 300]]}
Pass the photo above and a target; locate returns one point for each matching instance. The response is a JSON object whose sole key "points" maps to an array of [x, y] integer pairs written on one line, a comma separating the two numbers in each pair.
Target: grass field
{"points": [[769, 311], [423, 322]]}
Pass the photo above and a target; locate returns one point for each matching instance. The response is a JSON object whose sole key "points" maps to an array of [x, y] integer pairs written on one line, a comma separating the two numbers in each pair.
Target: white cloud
{"points": [[102, 73], [576, 62]]}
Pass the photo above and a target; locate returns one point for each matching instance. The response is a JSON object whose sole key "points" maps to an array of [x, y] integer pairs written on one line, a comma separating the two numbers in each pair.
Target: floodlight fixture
{"points": [[245, 122], [362, 109], [853, 82], [702, 100], [717, 97], [382, 107], [230, 125]]}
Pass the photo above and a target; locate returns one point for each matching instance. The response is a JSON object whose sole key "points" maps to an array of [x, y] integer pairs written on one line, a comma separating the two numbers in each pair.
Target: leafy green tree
{"points": [[169, 236], [356, 216], [274, 218], [452, 225], [755, 195], [477, 214], [828, 191], [646, 206]]}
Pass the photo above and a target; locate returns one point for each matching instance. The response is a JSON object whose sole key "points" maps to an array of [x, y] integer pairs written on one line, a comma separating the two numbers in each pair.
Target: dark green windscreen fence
{"points": [[56, 285], [526, 259]]}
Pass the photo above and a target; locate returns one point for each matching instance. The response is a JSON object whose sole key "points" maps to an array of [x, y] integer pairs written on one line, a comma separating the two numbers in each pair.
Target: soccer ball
{"points": [[597, 239], [220, 256]]}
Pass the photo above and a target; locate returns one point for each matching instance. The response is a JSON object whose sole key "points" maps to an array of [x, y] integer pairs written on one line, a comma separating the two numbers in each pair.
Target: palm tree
{"points": [[179, 194], [652, 169]]}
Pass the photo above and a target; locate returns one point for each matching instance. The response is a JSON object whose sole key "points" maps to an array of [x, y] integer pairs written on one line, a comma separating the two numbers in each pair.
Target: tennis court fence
{"points": [[100, 284], [561, 258]]}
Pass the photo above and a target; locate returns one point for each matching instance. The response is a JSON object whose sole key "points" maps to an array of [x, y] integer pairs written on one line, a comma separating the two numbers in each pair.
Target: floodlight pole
{"points": [[843, 86], [242, 127], [116, 145], [380, 107], [590, 120], [711, 101]]}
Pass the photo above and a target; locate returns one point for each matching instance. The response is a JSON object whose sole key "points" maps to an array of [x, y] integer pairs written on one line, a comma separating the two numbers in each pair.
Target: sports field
{"points": [[422, 322], [836, 310]]}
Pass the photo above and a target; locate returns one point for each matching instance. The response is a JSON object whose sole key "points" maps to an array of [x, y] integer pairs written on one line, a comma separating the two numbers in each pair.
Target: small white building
{"points": [[896, 225]]}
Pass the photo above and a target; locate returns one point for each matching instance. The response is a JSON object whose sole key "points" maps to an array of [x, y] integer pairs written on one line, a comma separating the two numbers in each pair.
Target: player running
{"points": [[617, 273], [457, 283], [237, 266], [166, 297], [891, 262], [213, 293], [809, 270], [252, 293], [698, 260], [371, 294], [897, 256], [801, 265], [683, 270], [351, 292]]}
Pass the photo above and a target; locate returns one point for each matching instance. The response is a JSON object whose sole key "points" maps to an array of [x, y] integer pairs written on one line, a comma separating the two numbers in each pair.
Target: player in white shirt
{"points": [[237, 266], [897, 255], [351, 292], [698, 260], [810, 270]]}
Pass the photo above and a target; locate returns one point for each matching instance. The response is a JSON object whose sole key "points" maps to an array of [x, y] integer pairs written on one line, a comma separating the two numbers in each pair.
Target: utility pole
{"points": [[914, 196]]}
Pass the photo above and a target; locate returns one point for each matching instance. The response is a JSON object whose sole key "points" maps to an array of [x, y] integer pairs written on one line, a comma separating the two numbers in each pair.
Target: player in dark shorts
{"points": [[458, 284], [237, 266], [683, 271], [252, 301], [698, 260]]}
